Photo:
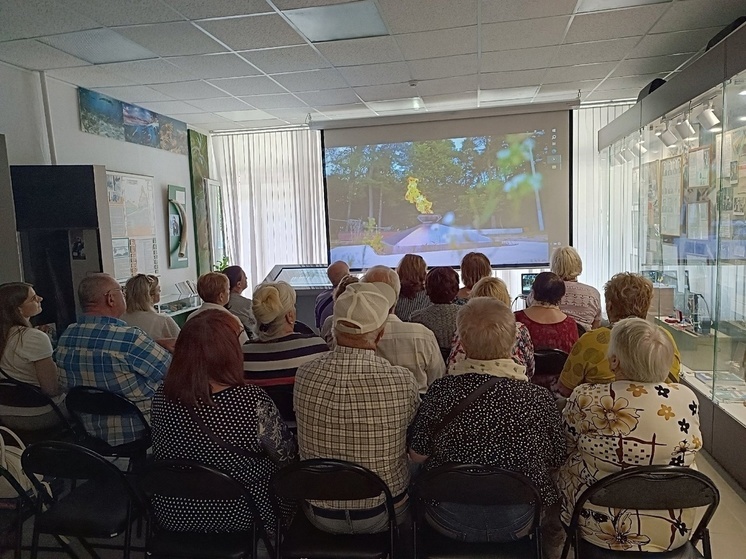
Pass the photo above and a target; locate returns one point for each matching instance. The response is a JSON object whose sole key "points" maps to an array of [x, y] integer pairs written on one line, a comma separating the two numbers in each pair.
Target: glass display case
{"points": [[678, 179]]}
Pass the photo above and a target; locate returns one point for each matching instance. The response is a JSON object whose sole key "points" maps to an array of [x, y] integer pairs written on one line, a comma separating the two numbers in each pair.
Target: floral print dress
{"points": [[612, 427]]}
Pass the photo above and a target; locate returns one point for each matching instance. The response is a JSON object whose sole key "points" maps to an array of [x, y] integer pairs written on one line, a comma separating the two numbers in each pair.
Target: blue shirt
{"points": [[324, 306], [106, 353]]}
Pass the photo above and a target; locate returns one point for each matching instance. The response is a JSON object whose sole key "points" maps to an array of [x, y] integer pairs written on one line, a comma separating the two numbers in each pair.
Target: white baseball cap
{"points": [[363, 307]]}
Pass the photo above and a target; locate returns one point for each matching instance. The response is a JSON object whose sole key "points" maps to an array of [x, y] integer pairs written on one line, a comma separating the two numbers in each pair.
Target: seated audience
{"points": [[441, 285], [353, 405], [549, 327], [327, 329], [515, 425], [407, 344], [141, 293], [271, 361], [205, 412], [635, 420], [103, 351], [523, 348], [627, 295], [474, 266], [26, 356], [325, 302], [412, 271], [237, 303], [214, 290]]}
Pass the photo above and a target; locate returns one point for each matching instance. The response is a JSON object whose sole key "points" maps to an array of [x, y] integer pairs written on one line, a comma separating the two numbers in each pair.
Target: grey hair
{"points": [[271, 302], [486, 328], [384, 274], [644, 351], [92, 288]]}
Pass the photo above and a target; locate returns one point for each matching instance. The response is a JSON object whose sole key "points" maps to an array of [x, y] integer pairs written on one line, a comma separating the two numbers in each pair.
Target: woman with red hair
{"points": [[206, 412]]}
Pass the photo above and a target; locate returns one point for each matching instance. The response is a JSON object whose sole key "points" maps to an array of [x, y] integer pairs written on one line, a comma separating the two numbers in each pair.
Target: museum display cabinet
{"points": [[675, 169]]}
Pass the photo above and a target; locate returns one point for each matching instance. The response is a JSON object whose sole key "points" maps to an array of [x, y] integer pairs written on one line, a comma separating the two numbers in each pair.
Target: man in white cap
{"points": [[351, 404]]}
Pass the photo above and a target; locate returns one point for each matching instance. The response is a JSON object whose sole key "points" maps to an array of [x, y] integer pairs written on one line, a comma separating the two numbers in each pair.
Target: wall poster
{"points": [[672, 183], [698, 167], [178, 227], [698, 221]]}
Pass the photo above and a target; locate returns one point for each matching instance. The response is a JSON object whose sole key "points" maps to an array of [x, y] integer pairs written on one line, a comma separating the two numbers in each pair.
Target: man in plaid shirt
{"points": [[102, 351], [353, 405]]}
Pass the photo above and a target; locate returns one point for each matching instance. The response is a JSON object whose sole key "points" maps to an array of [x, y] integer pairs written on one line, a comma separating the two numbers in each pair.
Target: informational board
{"points": [[699, 167], [698, 221], [132, 216], [672, 182]]}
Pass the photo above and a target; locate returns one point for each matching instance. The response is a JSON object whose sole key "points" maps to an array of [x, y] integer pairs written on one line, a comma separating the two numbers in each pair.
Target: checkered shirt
{"points": [[353, 405], [106, 353]]}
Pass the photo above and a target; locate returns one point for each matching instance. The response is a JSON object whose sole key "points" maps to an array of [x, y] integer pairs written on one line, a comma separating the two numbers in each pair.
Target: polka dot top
{"points": [[244, 417]]}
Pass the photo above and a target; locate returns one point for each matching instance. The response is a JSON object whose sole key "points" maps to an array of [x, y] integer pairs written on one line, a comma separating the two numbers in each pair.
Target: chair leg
{"points": [[18, 537], [89, 548], [706, 550], [35, 542], [64, 545]]}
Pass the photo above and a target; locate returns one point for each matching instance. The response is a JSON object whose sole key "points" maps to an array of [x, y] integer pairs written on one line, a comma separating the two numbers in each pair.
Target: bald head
{"points": [[101, 294], [385, 275], [336, 271]]}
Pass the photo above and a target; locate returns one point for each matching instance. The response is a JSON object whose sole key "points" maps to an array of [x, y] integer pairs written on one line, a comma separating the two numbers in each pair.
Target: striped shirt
{"points": [[324, 306], [405, 306], [274, 363]]}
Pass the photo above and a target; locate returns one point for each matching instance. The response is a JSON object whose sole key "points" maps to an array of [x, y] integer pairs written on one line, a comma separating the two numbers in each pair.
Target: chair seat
{"points": [[438, 546], [589, 551], [166, 545], [95, 509], [303, 539]]}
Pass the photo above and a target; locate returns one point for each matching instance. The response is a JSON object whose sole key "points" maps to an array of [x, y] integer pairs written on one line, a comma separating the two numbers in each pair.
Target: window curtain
{"points": [[274, 199]]}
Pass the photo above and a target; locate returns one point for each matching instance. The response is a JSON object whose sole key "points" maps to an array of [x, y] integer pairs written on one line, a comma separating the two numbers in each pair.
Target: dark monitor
{"points": [[527, 282]]}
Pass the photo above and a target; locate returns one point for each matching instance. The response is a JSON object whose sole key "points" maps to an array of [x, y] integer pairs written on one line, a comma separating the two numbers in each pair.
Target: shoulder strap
{"points": [[217, 440], [465, 403]]}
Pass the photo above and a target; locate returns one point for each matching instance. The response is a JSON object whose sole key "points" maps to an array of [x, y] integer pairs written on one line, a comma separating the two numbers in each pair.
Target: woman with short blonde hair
{"points": [[142, 292]]}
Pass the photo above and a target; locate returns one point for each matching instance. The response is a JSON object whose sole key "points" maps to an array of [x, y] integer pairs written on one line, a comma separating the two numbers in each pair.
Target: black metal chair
{"points": [[549, 363], [282, 396], [17, 394], [185, 479], [648, 488], [323, 479], [103, 506], [83, 402], [472, 484], [303, 328]]}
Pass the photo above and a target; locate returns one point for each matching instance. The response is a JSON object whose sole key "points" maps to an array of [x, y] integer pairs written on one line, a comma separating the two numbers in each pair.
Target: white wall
{"points": [[22, 116]]}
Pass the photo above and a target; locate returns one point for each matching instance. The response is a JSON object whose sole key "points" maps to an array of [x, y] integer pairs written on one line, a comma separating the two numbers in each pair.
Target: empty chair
{"points": [[548, 363]]}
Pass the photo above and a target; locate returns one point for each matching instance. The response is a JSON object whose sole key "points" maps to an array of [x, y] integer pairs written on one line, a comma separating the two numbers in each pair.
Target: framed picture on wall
{"points": [[671, 195], [216, 222]]}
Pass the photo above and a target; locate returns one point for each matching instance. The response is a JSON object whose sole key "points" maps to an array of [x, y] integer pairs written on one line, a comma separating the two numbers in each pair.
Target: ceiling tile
{"points": [[695, 14], [279, 101], [353, 52], [579, 73], [23, 19], [503, 80], [384, 92], [247, 114], [571, 88], [376, 74], [224, 65], [188, 90], [354, 110], [34, 55], [198, 9], [653, 65], [146, 72], [612, 95], [523, 34], [451, 101], [444, 67], [91, 76], [594, 51], [659, 44], [330, 96], [171, 39], [257, 85], [253, 32], [444, 86], [628, 22], [134, 93], [294, 115], [269, 124], [523, 59], [286, 59], [555, 97], [315, 80], [200, 118], [293, 4], [220, 104], [169, 107], [433, 44], [409, 17], [124, 12], [494, 11], [501, 96], [631, 82]]}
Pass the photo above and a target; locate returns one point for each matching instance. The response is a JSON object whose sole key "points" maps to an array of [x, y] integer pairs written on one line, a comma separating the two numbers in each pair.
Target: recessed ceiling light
{"points": [[98, 46], [336, 22], [600, 5]]}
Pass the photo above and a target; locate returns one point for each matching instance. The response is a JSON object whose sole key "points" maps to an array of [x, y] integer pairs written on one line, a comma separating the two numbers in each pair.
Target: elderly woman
{"points": [[627, 295], [237, 303], [635, 420], [581, 302], [214, 290], [271, 360], [205, 412], [412, 271], [522, 351], [327, 328], [142, 292], [514, 425], [549, 327], [441, 285], [474, 266]]}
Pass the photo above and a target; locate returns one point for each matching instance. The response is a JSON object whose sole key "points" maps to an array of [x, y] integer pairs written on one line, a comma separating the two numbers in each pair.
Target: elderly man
{"points": [[101, 350], [351, 404], [325, 302], [407, 344]]}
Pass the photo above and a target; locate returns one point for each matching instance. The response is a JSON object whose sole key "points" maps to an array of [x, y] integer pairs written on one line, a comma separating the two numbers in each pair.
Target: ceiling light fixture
{"points": [[708, 119], [685, 129], [668, 138], [619, 159]]}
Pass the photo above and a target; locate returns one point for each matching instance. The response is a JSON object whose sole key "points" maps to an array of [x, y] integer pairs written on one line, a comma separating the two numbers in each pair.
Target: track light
{"points": [[668, 138], [708, 119], [638, 149], [685, 129], [619, 159]]}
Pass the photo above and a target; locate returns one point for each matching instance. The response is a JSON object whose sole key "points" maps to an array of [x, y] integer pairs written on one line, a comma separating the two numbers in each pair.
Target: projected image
{"points": [[445, 198]]}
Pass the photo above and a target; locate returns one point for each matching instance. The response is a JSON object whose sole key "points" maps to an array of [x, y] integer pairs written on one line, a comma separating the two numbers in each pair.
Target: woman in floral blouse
{"points": [[637, 420]]}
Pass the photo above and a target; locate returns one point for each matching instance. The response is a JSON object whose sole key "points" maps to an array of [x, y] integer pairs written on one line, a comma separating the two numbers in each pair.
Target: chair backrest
{"points": [[302, 328], [581, 329], [17, 394], [549, 361], [90, 400], [188, 479], [282, 396]]}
